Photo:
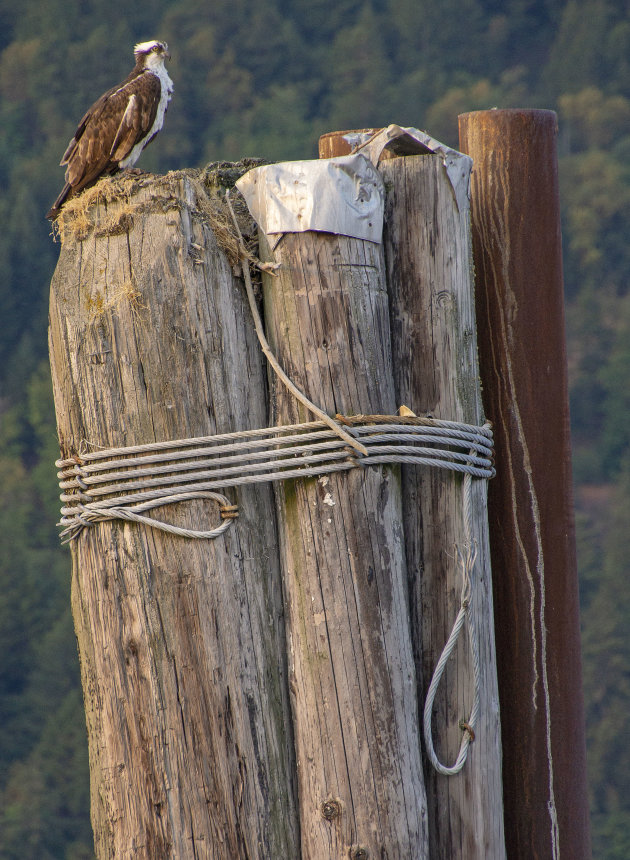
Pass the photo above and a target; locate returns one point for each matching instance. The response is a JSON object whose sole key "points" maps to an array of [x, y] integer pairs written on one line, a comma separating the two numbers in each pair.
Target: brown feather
{"points": [[108, 132]]}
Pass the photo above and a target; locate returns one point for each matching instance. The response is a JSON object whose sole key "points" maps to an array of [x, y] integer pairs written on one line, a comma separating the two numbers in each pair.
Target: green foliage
{"points": [[606, 638], [265, 78], [615, 377], [362, 75], [45, 811], [43, 758]]}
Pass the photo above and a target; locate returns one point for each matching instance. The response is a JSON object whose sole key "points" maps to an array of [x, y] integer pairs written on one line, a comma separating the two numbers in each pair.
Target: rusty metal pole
{"points": [[336, 143], [520, 314]]}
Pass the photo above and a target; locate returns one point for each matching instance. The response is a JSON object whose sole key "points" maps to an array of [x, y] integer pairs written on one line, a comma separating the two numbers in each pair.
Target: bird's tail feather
{"points": [[55, 209]]}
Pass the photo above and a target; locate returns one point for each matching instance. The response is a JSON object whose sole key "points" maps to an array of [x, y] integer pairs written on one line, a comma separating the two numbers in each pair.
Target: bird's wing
{"points": [[114, 124], [138, 118], [92, 112]]}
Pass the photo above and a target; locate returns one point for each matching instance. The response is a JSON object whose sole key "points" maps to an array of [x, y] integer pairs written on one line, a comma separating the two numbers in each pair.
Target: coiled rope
{"points": [[124, 483]]}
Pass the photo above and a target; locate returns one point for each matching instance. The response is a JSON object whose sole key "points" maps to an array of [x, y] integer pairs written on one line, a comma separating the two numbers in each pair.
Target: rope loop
{"points": [[467, 557], [84, 515]]}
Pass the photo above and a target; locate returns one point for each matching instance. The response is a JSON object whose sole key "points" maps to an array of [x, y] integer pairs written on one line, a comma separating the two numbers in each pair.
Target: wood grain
{"points": [[181, 642], [361, 791], [430, 282]]}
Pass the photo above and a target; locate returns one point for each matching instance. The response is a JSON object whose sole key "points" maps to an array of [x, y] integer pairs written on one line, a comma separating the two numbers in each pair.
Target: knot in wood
{"points": [[331, 809], [359, 852]]}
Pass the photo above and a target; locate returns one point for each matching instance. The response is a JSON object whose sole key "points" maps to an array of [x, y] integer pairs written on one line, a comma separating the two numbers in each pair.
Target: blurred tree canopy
{"points": [[265, 78]]}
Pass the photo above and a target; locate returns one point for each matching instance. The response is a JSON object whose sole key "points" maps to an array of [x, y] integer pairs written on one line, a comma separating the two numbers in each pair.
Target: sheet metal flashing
{"points": [[412, 141], [332, 195], [343, 195]]}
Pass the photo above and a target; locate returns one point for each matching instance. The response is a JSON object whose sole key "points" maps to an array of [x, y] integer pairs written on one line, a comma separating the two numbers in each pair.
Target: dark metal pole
{"points": [[520, 315]]}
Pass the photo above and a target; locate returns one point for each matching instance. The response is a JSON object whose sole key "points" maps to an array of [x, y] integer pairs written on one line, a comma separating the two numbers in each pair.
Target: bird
{"points": [[115, 130]]}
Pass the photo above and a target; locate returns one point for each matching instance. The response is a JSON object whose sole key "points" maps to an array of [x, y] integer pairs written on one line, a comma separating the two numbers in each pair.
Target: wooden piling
{"points": [[361, 791], [343, 142], [517, 252], [181, 641], [430, 283]]}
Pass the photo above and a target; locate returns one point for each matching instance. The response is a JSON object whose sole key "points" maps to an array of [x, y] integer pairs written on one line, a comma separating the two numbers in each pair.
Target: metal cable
{"points": [[467, 555], [98, 485]]}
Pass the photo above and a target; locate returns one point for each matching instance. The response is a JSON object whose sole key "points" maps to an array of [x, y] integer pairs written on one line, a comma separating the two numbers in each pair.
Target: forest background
{"points": [[266, 78]]}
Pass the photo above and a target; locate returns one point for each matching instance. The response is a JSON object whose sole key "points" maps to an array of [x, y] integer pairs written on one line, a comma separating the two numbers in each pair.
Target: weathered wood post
{"points": [[361, 791], [430, 279], [181, 641], [517, 252], [430, 283]]}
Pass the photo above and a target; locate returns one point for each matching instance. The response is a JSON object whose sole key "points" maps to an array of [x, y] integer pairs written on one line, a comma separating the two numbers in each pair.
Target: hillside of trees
{"points": [[265, 78]]}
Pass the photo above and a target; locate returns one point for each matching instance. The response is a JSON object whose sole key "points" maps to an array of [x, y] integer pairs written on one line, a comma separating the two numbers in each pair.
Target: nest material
{"points": [[108, 208], [127, 291]]}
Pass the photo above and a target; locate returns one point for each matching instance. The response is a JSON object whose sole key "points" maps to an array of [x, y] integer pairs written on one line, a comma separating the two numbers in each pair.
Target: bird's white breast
{"points": [[165, 97]]}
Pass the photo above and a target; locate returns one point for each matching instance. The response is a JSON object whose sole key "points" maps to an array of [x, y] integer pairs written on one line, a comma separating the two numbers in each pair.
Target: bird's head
{"points": [[151, 54]]}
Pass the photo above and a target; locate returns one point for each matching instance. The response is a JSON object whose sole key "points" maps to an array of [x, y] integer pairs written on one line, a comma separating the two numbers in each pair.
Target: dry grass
{"points": [[88, 210], [108, 208], [98, 305]]}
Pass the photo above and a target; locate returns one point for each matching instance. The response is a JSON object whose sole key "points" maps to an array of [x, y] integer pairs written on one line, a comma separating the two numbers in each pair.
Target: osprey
{"points": [[117, 127]]}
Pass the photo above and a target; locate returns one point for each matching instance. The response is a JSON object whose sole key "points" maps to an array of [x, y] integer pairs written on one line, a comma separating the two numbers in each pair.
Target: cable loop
{"points": [[467, 556]]}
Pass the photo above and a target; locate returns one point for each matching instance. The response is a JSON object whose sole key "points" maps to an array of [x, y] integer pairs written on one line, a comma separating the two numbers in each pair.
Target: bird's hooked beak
{"points": [[166, 54]]}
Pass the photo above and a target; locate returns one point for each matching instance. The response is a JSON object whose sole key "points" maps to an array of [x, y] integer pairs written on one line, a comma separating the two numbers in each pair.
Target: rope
{"points": [[467, 556], [123, 483], [273, 361], [86, 515]]}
